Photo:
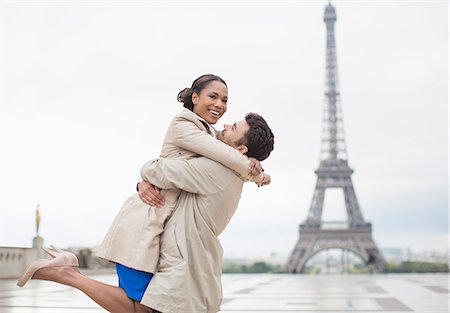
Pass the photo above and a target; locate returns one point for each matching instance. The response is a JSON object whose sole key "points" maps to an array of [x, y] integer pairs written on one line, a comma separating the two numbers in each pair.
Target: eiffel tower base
{"points": [[313, 240]]}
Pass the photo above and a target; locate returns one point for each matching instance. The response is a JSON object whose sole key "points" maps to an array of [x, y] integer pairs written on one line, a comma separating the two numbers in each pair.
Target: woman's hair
{"points": [[185, 95]]}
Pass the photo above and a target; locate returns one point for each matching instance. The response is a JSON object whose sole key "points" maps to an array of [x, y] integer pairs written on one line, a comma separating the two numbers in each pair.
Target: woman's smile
{"points": [[211, 103]]}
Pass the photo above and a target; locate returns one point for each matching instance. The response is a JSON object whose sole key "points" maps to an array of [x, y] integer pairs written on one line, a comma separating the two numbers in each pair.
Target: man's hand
{"points": [[150, 194], [266, 180], [255, 167]]}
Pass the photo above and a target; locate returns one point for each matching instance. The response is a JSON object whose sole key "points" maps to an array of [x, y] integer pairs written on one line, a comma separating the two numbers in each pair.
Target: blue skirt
{"points": [[134, 282]]}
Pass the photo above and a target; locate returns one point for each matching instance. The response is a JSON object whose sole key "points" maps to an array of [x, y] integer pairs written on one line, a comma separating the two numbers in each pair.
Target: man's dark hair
{"points": [[259, 138]]}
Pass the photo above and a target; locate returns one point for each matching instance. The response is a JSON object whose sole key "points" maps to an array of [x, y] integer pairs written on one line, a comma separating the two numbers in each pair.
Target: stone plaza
{"points": [[272, 293]]}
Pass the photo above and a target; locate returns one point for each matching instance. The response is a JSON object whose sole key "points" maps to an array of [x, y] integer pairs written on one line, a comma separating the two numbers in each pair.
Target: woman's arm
{"points": [[189, 136]]}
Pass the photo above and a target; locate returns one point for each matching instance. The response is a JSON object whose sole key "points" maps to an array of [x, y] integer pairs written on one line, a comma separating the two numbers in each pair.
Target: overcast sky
{"points": [[89, 88]]}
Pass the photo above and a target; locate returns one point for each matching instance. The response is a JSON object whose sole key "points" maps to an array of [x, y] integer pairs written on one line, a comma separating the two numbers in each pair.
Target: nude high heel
{"points": [[62, 258], [54, 252]]}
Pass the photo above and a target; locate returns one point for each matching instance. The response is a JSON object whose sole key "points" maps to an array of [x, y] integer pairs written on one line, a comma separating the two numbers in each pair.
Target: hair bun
{"points": [[183, 94]]}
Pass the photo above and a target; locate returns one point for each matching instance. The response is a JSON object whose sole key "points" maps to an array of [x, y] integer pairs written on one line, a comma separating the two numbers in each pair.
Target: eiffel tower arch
{"points": [[355, 234]]}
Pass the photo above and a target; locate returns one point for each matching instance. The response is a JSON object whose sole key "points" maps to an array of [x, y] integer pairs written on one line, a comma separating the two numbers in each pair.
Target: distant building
{"points": [[430, 256], [14, 260], [396, 255], [399, 255]]}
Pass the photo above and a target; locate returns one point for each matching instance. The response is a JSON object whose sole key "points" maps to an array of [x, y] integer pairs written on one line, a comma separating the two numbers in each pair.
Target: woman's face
{"points": [[211, 103]]}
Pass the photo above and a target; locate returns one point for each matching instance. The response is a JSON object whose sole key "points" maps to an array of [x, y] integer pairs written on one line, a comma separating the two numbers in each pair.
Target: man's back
{"points": [[188, 277]]}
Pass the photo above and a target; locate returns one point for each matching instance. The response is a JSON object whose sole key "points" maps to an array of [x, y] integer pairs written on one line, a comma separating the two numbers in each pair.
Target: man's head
{"points": [[251, 136]]}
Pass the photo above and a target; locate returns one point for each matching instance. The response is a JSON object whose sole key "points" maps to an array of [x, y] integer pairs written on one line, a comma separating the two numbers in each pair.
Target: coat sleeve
{"points": [[194, 175], [188, 136]]}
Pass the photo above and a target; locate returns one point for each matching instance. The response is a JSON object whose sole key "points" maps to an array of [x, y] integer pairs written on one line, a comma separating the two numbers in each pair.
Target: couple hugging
{"points": [[164, 238]]}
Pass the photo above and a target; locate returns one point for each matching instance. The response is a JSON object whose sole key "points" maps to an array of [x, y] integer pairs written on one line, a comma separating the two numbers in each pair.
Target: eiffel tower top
{"points": [[330, 13], [333, 150]]}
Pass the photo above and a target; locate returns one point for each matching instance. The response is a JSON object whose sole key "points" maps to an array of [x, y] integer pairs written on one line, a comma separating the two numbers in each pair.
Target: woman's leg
{"points": [[111, 298]]}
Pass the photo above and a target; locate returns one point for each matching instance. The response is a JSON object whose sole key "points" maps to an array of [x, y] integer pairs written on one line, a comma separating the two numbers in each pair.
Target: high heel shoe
{"points": [[62, 258], [54, 252]]}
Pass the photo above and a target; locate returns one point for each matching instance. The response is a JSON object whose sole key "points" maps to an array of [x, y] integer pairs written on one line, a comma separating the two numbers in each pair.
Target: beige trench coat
{"points": [[134, 236], [190, 268]]}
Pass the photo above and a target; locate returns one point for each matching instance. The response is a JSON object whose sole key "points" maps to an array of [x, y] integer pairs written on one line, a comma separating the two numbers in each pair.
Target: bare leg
{"points": [[111, 298]]}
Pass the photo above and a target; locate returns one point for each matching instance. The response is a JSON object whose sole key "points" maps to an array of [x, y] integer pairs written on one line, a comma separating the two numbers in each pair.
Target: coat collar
{"points": [[188, 113]]}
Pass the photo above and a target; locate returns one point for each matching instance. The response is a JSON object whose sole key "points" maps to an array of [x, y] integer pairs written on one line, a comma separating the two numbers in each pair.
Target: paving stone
{"points": [[271, 293]]}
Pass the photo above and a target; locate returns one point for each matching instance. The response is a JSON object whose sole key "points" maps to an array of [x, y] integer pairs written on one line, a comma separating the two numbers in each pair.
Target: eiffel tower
{"points": [[355, 234]]}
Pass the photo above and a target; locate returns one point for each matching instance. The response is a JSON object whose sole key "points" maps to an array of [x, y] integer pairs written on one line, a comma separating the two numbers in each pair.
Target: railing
{"points": [[13, 260]]}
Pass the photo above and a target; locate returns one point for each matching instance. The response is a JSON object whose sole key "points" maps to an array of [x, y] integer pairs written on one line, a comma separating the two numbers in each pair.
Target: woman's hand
{"points": [[150, 194], [255, 167], [266, 180]]}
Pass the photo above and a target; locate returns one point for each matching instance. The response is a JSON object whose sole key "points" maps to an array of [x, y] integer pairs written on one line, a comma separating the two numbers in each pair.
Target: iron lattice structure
{"points": [[334, 172]]}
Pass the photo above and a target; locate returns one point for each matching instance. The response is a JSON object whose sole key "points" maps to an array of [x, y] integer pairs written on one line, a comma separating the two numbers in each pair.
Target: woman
{"points": [[189, 135]]}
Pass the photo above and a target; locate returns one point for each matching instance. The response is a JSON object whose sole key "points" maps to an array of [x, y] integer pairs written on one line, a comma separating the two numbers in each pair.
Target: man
{"points": [[190, 265]]}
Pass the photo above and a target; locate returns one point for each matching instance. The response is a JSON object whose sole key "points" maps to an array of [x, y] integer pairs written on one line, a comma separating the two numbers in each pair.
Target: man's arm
{"points": [[190, 175]]}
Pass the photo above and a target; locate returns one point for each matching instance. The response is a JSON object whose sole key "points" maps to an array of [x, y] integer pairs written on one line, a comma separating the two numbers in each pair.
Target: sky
{"points": [[88, 89]]}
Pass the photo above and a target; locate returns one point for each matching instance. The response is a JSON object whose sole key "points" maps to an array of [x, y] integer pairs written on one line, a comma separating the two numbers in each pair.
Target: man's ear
{"points": [[242, 149]]}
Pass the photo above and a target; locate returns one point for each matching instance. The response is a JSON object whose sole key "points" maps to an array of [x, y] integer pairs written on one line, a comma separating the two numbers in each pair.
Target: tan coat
{"points": [[133, 238], [188, 277]]}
